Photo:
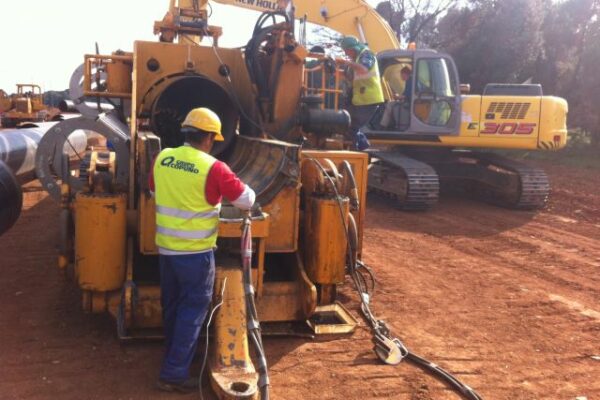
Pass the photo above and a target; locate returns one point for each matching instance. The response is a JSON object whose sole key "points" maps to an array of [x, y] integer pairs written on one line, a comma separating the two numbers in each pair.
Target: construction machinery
{"points": [[437, 123], [433, 137], [27, 105], [305, 233], [281, 263], [5, 101]]}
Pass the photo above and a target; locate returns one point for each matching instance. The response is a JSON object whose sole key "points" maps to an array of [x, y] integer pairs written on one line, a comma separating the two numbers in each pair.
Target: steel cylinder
{"points": [[324, 122], [18, 148], [178, 96], [69, 106], [325, 240], [100, 241], [11, 198]]}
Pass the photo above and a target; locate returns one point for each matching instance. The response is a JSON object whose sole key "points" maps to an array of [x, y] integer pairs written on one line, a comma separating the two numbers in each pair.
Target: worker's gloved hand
{"points": [[361, 142], [246, 199]]}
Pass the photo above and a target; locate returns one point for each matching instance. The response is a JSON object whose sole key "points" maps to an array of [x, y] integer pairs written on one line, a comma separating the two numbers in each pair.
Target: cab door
{"points": [[435, 101]]}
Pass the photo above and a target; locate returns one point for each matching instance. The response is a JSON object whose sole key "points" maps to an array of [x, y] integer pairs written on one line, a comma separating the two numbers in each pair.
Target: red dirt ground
{"points": [[508, 301]]}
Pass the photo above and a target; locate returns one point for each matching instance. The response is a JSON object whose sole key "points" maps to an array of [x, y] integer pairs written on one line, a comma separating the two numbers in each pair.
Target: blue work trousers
{"points": [[186, 284]]}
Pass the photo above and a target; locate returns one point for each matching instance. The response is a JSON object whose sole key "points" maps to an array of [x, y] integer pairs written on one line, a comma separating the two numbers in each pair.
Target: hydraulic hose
{"points": [[385, 343], [252, 315]]}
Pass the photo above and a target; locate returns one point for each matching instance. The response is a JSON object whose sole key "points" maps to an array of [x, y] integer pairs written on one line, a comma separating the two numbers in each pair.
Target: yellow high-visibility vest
{"points": [[185, 221], [366, 87]]}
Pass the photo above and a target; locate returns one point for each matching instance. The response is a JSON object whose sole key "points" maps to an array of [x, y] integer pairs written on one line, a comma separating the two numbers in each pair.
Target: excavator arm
{"points": [[349, 17]]}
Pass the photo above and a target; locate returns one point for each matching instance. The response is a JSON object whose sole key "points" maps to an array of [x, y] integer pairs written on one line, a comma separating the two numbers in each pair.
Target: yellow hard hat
{"points": [[206, 120]]}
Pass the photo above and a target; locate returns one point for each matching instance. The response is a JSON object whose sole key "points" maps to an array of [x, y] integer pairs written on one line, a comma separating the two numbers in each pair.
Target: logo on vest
{"points": [[171, 162]]}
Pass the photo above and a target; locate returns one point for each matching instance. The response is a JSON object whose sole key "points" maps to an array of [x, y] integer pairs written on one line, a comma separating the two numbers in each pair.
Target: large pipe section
{"points": [[11, 198], [17, 155], [181, 94], [18, 149], [70, 106]]}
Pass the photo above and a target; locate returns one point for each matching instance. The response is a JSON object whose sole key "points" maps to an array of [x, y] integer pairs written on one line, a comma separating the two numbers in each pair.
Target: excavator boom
{"points": [[350, 17]]}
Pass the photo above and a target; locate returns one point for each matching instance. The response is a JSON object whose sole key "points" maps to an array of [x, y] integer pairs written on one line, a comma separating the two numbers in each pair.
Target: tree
{"points": [[584, 95], [414, 20], [492, 42]]}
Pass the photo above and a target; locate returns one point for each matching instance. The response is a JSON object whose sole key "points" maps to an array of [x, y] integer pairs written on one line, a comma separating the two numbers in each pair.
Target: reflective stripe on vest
{"points": [[185, 221], [366, 88]]}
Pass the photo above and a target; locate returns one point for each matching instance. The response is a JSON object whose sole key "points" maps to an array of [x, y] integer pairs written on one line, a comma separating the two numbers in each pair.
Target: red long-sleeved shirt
{"points": [[220, 182]]}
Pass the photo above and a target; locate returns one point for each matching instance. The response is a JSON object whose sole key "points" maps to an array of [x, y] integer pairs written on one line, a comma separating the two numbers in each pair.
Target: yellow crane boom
{"points": [[350, 17]]}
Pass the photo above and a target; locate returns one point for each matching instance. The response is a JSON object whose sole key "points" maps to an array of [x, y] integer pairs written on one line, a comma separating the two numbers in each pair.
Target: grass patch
{"points": [[579, 153]]}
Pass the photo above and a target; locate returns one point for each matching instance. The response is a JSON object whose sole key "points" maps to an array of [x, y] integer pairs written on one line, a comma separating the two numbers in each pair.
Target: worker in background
{"points": [[367, 93], [396, 112], [189, 185]]}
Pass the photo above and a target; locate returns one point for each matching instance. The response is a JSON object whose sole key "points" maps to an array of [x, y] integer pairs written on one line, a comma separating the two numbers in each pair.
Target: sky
{"points": [[43, 41]]}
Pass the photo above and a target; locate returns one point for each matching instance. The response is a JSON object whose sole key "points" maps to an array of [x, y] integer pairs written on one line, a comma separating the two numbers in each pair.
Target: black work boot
{"points": [[188, 386]]}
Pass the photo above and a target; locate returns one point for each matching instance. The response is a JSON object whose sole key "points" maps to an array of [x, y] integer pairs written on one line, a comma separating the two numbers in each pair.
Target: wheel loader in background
{"points": [[27, 105], [440, 127]]}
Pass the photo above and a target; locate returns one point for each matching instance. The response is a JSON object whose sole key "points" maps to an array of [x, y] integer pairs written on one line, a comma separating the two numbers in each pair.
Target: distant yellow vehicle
{"points": [[26, 106]]}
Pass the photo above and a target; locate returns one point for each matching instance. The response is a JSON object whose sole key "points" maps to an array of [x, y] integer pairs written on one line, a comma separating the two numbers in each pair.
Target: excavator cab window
{"points": [[422, 96], [434, 92]]}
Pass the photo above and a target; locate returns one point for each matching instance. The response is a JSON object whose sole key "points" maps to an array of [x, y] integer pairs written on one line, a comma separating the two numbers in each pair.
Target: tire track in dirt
{"points": [[500, 298]]}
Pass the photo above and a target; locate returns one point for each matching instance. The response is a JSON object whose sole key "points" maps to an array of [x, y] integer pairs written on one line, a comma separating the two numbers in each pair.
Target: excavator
{"points": [[278, 267], [432, 140]]}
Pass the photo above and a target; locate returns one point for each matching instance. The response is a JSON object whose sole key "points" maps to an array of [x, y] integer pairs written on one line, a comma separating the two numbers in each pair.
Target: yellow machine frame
{"points": [[303, 216]]}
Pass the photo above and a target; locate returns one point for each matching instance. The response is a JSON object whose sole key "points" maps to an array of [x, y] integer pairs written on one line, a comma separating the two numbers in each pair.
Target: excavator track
{"points": [[496, 179], [533, 186], [413, 184]]}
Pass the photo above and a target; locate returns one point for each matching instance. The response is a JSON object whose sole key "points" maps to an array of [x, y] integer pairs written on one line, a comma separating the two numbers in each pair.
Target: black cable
{"points": [[209, 321], [465, 390], [235, 96], [252, 313], [437, 371]]}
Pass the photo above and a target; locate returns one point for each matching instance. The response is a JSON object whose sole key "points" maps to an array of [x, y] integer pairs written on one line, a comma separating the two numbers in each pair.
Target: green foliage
{"points": [[491, 42], [414, 21]]}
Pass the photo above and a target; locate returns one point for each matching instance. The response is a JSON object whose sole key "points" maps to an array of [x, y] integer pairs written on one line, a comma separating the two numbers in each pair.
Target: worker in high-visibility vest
{"points": [[189, 185], [367, 92]]}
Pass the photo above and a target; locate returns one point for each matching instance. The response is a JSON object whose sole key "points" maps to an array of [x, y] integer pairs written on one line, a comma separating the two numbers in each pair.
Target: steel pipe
{"points": [[70, 106], [11, 198], [18, 148]]}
